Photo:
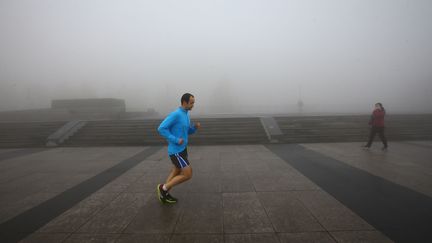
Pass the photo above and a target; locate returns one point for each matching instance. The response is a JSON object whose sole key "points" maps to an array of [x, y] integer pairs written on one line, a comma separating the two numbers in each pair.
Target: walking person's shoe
{"points": [[366, 147], [384, 148]]}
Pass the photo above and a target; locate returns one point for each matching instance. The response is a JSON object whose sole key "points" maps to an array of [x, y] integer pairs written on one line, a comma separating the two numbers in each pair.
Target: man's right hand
{"points": [[180, 141]]}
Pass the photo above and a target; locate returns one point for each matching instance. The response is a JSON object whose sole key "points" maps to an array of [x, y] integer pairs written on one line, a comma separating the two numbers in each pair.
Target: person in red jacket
{"points": [[377, 125]]}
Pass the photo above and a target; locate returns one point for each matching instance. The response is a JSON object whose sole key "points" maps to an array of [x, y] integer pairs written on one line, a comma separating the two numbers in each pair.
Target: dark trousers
{"points": [[373, 132]]}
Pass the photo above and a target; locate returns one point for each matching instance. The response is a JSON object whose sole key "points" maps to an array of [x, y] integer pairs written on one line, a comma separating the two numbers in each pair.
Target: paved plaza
{"points": [[323, 192]]}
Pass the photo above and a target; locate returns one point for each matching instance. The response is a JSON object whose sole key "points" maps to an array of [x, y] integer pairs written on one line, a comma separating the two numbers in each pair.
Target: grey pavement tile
{"points": [[179, 191], [253, 175], [160, 170], [30, 182], [45, 238], [70, 220], [202, 200], [332, 214], [146, 164], [7, 176], [60, 168], [402, 164], [266, 155], [302, 183], [274, 182], [128, 208], [117, 215], [287, 214], [205, 182], [61, 186], [92, 238], [417, 153], [144, 238], [129, 177], [5, 150], [204, 153], [243, 213], [79, 214], [278, 165], [195, 156], [371, 236], [155, 218], [159, 155], [122, 183], [250, 148], [129, 199], [201, 213], [205, 163], [306, 237], [228, 156], [109, 221], [113, 187], [232, 167], [255, 165], [11, 209], [98, 199], [251, 238], [426, 144], [23, 158], [92, 156], [233, 173], [147, 183], [236, 182], [20, 157], [197, 238], [5, 215], [19, 195], [249, 156], [205, 166]]}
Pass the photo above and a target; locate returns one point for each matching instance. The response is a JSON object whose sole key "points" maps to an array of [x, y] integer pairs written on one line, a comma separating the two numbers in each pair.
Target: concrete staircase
{"points": [[246, 130], [230, 131], [26, 134], [409, 127], [316, 129], [117, 133], [144, 132]]}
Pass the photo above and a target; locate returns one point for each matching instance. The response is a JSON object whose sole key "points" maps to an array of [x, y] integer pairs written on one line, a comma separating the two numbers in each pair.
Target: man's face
{"points": [[188, 106]]}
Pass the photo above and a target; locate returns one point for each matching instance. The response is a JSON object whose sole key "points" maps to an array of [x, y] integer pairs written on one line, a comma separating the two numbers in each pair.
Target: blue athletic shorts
{"points": [[180, 160]]}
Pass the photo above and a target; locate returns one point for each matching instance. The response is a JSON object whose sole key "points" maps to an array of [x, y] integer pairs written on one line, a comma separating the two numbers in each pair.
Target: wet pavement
{"points": [[326, 192]]}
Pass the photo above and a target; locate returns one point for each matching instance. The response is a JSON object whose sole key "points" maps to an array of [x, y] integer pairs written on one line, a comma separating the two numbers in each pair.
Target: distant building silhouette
{"points": [[92, 108]]}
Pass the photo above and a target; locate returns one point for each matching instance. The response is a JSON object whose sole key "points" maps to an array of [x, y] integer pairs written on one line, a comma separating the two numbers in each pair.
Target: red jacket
{"points": [[377, 118]]}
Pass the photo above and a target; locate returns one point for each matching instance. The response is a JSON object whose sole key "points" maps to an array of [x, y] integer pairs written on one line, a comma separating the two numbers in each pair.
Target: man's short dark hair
{"points": [[186, 98]]}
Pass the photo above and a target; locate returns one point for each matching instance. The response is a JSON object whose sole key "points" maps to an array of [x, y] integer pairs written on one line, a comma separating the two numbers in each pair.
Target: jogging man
{"points": [[175, 128]]}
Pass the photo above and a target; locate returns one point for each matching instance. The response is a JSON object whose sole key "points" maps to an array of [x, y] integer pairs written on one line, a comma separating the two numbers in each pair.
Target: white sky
{"points": [[234, 55]]}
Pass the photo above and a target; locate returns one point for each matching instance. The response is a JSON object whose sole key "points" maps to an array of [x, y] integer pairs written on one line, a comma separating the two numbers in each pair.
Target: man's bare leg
{"points": [[174, 172], [184, 175]]}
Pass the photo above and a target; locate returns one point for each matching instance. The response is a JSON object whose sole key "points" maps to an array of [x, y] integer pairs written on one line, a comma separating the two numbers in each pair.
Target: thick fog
{"points": [[235, 56]]}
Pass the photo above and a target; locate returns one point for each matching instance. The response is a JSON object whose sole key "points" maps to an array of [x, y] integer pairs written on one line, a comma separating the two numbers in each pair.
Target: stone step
{"points": [[26, 134], [220, 131], [217, 130]]}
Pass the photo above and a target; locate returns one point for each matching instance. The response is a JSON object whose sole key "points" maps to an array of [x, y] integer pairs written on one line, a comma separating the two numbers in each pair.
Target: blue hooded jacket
{"points": [[175, 126]]}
